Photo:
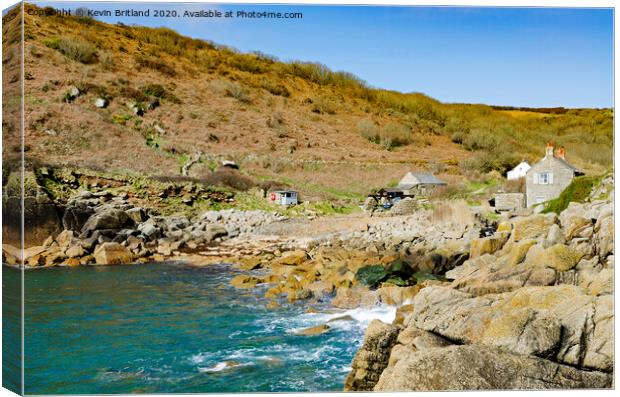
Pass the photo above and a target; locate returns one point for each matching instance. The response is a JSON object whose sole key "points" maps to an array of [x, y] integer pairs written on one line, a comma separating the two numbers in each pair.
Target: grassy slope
{"points": [[297, 123]]}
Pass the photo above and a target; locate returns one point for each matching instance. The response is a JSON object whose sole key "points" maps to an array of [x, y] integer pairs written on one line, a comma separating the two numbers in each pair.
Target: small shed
{"points": [[284, 197], [519, 171]]}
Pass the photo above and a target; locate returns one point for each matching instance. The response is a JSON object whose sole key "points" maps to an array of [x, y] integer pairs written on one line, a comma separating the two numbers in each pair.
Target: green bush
{"points": [[480, 140], [578, 191], [371, 275], [400, 269]]}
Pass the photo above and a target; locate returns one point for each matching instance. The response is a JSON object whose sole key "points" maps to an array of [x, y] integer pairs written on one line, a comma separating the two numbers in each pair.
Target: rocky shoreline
{"points": [[528, 307], [531, 309]]}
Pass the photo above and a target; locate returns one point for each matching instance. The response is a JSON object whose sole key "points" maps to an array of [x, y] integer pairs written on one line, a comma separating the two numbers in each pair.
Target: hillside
{"points": [[326, 133]]}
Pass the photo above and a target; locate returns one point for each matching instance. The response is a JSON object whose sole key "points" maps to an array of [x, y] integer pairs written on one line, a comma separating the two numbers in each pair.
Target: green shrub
{"points": [[578, 191], [371, 275], [53, 43], [400, 269], [487, 161], [480, 140], [420, 277]]}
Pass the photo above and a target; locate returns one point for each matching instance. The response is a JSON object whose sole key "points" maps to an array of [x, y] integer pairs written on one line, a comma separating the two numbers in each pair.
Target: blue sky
{"points": [[503, 56]]}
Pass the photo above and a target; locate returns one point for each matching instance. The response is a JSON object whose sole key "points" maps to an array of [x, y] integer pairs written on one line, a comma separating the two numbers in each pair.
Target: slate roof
{"points": [[422, 178], [567, 164]]}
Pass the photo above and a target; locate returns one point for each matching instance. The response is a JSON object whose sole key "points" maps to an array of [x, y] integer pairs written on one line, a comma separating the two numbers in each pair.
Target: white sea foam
{"points": [[199, 358], [344, 320], [221, 366]]}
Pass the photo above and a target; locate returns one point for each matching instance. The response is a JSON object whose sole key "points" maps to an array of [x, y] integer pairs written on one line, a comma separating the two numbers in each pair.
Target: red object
{"points": [[273, 197]]}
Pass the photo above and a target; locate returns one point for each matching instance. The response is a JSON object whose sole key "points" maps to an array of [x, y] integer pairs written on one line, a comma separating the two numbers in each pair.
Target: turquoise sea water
{"points": [[160, 328]]}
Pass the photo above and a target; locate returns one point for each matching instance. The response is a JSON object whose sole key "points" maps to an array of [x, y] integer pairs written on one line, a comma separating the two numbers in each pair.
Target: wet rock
{"points": [[316, 330], [245, 281]]}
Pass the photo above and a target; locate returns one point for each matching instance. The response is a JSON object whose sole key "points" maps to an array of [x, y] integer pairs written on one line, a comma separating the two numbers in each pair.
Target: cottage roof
{"points": [[563, 162], [419, 178], [521, 164], [572, 167]]}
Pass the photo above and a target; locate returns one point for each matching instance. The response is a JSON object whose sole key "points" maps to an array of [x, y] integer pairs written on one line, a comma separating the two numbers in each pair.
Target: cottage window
{"points": [[544, 178]]}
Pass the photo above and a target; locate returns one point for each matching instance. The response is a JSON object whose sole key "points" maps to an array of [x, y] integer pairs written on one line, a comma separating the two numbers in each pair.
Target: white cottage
{"points": [[519, 171]]}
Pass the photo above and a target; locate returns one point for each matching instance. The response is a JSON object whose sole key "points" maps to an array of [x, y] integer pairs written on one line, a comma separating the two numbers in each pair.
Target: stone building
{"points": [[414, 183], [549, 177]]}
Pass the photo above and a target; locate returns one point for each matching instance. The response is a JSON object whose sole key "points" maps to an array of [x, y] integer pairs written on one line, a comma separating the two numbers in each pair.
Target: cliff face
{"points": [[531, 309]]}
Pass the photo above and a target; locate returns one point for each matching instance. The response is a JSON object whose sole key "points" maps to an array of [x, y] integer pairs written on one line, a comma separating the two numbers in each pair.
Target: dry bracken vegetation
{"points": [[253, 108]]}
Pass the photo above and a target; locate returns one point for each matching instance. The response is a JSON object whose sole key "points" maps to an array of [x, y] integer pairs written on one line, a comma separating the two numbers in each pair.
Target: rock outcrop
{"points": [[472, 367], [372, 358], [532, 308]]}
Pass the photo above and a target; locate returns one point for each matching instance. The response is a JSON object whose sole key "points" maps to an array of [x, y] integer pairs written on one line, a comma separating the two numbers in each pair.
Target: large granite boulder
{"points": [[533, 226], [467, 319], [483, 368], [112, 254], [76, 215], [559, 257], [559, 322], [107, 219], [487, 245]]}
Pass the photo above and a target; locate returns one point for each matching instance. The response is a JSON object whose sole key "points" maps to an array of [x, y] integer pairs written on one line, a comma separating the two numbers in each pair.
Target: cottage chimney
{"points": [[549, 151], [560, 153]]}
